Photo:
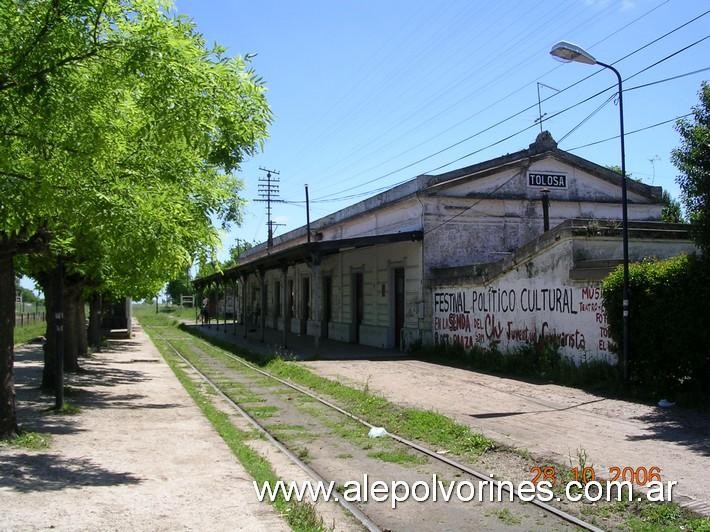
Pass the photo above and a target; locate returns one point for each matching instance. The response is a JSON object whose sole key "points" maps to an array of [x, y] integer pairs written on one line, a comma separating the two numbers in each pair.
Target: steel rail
{"points": [[413, 445], [349, 507]]}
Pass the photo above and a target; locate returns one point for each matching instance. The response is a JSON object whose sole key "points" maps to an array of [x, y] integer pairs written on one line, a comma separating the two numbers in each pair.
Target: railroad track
{"points": [[211, 374]]}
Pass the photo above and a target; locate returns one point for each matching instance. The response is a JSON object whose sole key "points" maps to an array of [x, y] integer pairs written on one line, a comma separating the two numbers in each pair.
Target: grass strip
{"points": [[301, 516], [435, 429], [28, 440], [27, 332], [425, 426]]}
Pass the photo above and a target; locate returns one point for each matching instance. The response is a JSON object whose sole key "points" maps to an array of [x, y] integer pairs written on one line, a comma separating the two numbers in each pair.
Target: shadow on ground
{"points": [[683, 427], [46, 472], [34, 405], [300, 347], [490, 415]]}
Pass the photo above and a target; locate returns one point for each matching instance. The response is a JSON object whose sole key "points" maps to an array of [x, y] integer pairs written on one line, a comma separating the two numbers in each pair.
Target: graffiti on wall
{"points": [[524, 311]]}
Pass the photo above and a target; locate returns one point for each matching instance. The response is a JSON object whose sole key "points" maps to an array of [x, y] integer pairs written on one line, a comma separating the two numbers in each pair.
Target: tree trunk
{"points": [[82, 330], [8, 415], [72, 327], [49, 371], [95, 321]]}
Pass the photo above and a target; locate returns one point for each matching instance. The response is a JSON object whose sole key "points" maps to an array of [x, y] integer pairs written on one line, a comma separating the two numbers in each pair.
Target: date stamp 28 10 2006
{"points": [[639, 476], [581, 482]]}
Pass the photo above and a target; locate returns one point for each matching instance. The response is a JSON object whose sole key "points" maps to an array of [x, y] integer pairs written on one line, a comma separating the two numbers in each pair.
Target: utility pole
{"points": [[59, 337], [308, 217], [269, 193]]}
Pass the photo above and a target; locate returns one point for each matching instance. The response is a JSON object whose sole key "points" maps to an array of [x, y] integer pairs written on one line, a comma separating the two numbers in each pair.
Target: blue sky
{"points": [[362, 89]]}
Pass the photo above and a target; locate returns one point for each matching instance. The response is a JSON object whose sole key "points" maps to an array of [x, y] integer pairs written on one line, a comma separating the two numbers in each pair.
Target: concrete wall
{"points": [[377, 264], [467, 217], [482, 220], [537, 297]]}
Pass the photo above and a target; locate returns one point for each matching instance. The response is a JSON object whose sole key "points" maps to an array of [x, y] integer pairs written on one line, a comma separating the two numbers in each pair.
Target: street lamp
{"points": [[568, 52]]}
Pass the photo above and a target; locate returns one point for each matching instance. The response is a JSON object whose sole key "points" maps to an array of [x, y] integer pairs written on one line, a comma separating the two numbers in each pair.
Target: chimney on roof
{"points": [[543, 142]]}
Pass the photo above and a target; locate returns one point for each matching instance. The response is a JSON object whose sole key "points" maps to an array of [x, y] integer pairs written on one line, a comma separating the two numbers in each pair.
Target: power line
{"points": [[630, 132], [585, 119], [501, 185], [488, 195], [473, 71], [677, 28], [524, 86], [671, 78], [373, 191], [500, 122]]}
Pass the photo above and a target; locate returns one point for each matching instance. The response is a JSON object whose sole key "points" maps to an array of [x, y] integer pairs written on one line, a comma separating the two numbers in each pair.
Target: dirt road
{"points": [[549, 420]]}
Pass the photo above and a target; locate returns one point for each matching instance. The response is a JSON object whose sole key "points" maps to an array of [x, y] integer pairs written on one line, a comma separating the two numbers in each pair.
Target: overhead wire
{"points": [[529, 83], [329, 198], [426, 21], [518, 132], [500, 122], [449, 87], [671, 78], [627, 133], [587, 118], [490, 193], [650, 43]]}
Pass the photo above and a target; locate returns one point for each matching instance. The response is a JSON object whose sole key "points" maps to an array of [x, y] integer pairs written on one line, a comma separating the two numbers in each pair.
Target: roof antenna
{"points": [[653, 160], [540, 114]]}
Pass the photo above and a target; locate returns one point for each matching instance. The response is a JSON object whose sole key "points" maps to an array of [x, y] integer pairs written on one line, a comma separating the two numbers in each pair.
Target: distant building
{"points": [[462, 256]]}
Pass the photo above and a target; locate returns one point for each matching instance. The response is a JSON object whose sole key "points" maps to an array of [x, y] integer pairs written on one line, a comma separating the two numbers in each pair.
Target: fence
{"points": [[27, 318]]}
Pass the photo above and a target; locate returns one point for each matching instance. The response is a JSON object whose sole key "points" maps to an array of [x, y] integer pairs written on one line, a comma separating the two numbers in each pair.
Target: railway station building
{"points": [[499, 252]]}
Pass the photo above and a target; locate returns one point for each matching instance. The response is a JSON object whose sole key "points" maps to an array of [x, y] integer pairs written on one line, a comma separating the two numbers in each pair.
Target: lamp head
{"points": [[567, 52]]}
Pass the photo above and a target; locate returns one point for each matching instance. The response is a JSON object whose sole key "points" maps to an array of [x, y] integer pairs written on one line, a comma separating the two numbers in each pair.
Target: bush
{"points": [[540, 361], [669, 325]]}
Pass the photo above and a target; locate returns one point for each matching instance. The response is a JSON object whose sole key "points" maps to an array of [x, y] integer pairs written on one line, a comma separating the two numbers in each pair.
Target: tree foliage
{"points": [[180, 286], [119, 132], [671, 212], [669, 332], [692, 158], [239, 247]]}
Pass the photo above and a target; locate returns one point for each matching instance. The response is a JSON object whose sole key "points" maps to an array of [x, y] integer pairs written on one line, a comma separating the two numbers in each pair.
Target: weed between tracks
{"points": [[300, 516], [422, 425], [443, 433]]}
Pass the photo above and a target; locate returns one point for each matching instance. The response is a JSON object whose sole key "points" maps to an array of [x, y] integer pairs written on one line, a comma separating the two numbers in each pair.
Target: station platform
{"points": [[139, 454]]}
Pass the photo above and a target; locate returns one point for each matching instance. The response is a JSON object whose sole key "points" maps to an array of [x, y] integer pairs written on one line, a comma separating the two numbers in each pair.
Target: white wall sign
{"points": [[522, 311]]}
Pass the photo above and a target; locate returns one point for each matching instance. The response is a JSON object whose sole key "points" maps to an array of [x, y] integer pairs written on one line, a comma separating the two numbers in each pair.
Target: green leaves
{"points": [[693, 161], [119, 130]]}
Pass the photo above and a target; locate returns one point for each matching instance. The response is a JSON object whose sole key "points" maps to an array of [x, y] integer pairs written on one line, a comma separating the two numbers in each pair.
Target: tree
{"points": [[180, 286], [239, 247], [28, 296], [119, 130], [692, 158], [671, 212]]}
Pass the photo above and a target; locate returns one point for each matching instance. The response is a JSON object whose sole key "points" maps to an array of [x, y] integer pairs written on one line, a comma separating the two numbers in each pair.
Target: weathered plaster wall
{"points": [[480, 221], [538, 298], [377, 264]]}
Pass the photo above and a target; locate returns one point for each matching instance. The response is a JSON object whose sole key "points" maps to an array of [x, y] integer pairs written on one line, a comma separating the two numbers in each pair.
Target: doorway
{"points": [[305, 304], [327, 305], [398, 306], [358, 309]]}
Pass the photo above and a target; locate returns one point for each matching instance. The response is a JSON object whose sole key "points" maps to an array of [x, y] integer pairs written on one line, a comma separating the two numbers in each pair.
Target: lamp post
{"points": [[570, 52]]}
